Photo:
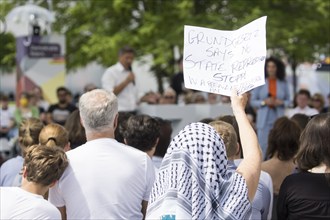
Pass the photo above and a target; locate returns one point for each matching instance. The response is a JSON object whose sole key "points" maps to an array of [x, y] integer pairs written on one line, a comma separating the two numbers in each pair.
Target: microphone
{"points": [[130, 69]]}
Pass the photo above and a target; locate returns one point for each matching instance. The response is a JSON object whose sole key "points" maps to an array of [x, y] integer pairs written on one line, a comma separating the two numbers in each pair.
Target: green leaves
{"points": [[7, 55], [96, 29]]}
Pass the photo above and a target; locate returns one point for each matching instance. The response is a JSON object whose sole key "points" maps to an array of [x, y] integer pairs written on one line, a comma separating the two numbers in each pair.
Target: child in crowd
{"points": [[43, 166]]}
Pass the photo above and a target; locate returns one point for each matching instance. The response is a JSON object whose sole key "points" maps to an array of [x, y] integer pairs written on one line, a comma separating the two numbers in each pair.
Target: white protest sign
{"points": [[215, 61]]}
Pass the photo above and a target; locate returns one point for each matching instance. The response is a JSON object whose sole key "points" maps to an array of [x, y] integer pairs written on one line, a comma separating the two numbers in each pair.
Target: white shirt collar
{"points": [[120, 67]]}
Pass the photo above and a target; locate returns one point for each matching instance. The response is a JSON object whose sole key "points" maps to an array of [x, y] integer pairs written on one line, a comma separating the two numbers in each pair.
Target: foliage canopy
{"points": [[95, 30]]}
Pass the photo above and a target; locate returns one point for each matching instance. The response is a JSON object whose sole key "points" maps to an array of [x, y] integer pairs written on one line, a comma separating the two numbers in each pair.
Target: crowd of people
{"points": [[101, 159]]}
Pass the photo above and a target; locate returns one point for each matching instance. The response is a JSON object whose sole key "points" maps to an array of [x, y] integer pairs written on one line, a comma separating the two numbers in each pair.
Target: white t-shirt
{"points": [[128, 97], [105, 180], [157, 161], [17, 203], [262, 204], [6, 116], [307, 111]]}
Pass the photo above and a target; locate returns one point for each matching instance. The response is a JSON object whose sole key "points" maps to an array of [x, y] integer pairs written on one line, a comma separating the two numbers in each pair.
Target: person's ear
{"points": [[52, 184], [67, 147], [24, 172], [115, 122], [238, 150], [153, 149], [156, 143], [151, 152], [81, 122]]}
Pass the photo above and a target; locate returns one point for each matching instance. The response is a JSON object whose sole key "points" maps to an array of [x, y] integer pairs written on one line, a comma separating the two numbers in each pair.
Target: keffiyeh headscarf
{"points": [[194, 177]]}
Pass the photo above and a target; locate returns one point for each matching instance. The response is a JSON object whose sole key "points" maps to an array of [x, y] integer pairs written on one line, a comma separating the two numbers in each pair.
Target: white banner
{"points": [[215, 61]]}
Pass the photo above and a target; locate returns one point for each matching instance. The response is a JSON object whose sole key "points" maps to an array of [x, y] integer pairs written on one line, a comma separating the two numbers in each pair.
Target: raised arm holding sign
{"points": [[216, 61]]}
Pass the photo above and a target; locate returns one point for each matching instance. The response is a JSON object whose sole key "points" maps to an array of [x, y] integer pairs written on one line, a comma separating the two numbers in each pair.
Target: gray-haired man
{"points": [[105, 179]]}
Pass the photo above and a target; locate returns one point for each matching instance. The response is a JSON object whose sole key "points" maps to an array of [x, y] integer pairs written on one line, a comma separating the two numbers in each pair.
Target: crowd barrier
{"points": [[181, 115]]}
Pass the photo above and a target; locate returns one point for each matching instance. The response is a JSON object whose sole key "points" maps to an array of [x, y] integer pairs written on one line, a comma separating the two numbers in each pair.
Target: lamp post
{"points": [[25, 20], [27, 23]]}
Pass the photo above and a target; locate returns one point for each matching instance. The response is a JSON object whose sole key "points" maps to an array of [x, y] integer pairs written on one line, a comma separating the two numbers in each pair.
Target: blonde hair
{"points": [[54, 135], [45, 164], [28, 133], [320, 98], [228, 134]]}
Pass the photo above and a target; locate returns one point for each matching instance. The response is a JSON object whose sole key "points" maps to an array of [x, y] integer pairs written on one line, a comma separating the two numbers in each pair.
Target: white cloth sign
{"points": [[215, 61]]}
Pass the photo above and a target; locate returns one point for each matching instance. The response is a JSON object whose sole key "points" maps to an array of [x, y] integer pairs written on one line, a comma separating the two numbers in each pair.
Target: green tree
{"points": [[7, 40], [95, 30], [7, 52], [296, 29]]}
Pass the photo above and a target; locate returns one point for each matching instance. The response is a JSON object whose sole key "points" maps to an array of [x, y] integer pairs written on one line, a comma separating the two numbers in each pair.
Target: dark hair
{"points": [[126, 49], [164, 137], [314, 143], [300, 119], [77, 135], [280, 68], [283, 139], [206, 120], [304, 92], [142, 132], [62, 89], [121, 125], [4, 98]]}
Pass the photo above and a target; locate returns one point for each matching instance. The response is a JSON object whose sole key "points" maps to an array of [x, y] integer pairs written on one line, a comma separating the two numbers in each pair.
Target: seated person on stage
{"points": [[43, 166], [168, 97], [151, 98], [195, 97], [318, 102], [213, 98], [302, 100]]}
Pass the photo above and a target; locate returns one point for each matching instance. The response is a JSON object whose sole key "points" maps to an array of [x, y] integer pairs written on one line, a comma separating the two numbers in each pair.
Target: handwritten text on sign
{"points": [[216, 61]]}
